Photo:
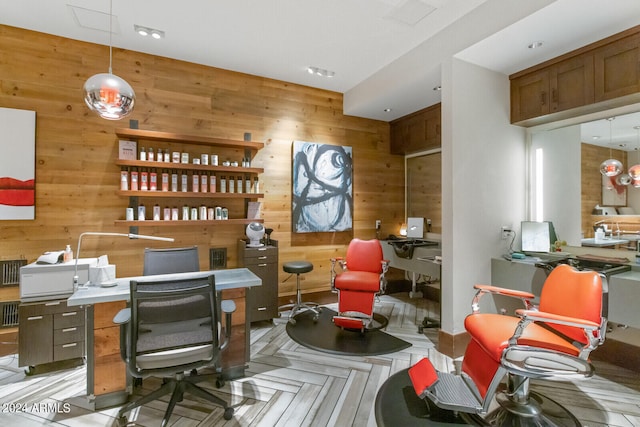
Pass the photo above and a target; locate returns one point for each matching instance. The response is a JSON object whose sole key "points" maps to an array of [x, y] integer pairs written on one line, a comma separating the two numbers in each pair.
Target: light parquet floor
{"points": [[289, 385]]}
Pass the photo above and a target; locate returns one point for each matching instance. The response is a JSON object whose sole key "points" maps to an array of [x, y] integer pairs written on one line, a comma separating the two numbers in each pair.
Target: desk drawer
{"points": [[68, 335], [270, 252], [40, 308], [68, 350], [68, 319]]}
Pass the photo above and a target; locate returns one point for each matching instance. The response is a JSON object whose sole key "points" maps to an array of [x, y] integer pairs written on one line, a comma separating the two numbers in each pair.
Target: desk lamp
{"points": [[94, 233]]}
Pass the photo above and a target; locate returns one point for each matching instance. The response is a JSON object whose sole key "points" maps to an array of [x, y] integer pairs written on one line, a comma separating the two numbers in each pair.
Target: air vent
{"points": [[9, 314], [11, 272], [217, 258]]}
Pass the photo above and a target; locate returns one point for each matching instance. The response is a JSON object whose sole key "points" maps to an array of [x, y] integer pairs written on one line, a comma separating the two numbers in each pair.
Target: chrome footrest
{"points": [[452, 392]]}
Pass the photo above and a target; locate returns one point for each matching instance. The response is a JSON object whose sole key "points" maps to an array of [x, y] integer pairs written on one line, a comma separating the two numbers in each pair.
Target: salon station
{"points": [[357, 213]]}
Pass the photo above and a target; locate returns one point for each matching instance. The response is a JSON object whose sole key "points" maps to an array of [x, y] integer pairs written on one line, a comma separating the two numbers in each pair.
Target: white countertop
{"points": [[603, 242], [224, 279]]}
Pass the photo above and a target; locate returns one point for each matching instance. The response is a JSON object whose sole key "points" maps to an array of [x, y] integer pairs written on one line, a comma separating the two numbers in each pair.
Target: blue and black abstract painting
{"points": [[322, 188]]}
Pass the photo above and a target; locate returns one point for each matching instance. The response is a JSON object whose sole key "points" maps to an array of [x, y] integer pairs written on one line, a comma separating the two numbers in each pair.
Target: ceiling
{"points": [[386, 54]]}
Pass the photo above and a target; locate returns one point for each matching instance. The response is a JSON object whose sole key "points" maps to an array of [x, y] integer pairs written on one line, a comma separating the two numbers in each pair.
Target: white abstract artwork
{"points": [[322, 188]]}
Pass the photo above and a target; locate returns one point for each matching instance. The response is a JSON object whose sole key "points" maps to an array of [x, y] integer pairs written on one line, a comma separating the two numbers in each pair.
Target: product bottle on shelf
{"points": [[143, 154]]}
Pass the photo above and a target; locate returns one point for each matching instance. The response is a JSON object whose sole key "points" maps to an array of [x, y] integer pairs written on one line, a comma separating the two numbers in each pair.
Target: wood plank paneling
{"points": [[76, 178]]}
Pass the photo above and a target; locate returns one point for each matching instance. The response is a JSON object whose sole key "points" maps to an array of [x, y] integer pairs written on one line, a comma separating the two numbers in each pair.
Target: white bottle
{"points": [[68, 254], [599, 235]]}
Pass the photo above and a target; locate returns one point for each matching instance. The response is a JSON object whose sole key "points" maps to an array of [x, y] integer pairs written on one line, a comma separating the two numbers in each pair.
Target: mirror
{"points": [[567, 159], [424, 189]]}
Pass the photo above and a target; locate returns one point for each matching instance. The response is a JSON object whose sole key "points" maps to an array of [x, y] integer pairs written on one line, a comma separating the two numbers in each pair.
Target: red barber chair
{"points": [[359, 281], [551, 341]]}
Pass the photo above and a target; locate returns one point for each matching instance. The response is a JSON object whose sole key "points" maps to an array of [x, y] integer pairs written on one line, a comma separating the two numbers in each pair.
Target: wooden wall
{"points": [[76, 178]]}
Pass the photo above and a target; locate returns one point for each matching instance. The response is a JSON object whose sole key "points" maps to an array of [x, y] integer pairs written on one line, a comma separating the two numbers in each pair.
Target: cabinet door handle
{"points": [[34, 318], [543, 98], [69, 345], [554, 95], [262, 308], [70, 313], [69, 329]]}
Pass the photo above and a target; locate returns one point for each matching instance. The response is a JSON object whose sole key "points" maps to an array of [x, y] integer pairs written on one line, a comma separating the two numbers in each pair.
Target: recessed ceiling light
{"points": [[534, 45], [437, 88], [146, 31], [320, 72], [387, 110], [595, 137]]}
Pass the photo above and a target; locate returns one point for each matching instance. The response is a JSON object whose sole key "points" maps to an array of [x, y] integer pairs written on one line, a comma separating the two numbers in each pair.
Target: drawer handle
{"points": [[262, 265], [34, 318], [69, 329], [262, 257], [69, 345], [52, 303], [262, 249], [70, 313], [262, 308]]}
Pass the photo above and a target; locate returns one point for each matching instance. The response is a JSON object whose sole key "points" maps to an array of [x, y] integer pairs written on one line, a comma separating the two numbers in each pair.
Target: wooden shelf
{"points": [[188, 166], [151, 135], [189, 195], [151, 223]]}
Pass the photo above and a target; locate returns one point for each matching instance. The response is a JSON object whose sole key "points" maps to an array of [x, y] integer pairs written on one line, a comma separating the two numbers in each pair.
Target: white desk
{"points": [[94, 294]]}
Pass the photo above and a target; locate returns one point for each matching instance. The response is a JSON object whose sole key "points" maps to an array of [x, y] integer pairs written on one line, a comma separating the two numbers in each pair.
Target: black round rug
{"points": [[324, 336], [398, 405]]}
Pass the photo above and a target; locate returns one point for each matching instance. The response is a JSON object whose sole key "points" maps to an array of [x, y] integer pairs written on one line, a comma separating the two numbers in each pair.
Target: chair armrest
{"points": [[526, 297], [541, 316], [123, 316], [339, 260], [228, 306]]}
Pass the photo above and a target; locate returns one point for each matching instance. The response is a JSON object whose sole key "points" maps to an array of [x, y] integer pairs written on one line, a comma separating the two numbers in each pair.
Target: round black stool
{"points": [[298, 268]]}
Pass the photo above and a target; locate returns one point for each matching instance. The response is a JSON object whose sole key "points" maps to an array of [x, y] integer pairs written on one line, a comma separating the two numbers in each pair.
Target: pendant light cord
{"points": [[110, 35]]}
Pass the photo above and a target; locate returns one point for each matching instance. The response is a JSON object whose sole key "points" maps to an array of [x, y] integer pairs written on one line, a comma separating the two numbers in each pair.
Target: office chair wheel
{"points": [[122, 421], [228, 413], [220, 383]]}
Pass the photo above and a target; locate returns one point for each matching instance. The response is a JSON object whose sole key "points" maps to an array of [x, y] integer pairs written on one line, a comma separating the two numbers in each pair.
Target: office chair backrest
{"points": [[364, 255], [171, 315], [171, 260], [572, 293]]}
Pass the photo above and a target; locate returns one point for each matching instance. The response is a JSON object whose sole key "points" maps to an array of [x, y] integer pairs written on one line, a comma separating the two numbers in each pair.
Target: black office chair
{"points": [[171, 328], [170, 260]]}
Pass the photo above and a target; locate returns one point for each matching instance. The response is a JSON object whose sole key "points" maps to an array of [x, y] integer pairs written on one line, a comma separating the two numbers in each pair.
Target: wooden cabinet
{"points": [[559, 87], [237, 196], [602, 71], [419, 131], [617, 69], [50, 332], [262, 301]]}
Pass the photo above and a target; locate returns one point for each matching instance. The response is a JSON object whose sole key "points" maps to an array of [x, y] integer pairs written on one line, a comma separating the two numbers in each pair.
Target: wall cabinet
{"points": [[419, 131], [599, 72], [233, 184], [262, 301], [50, 332]]}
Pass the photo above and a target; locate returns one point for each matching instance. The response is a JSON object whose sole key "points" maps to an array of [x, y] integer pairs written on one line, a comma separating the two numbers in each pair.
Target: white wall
{"points": [[561, 180], [483, 181]]}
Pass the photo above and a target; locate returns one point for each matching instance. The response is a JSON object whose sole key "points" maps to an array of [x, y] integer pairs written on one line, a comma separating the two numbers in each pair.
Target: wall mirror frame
{"points": [[556, 177]]}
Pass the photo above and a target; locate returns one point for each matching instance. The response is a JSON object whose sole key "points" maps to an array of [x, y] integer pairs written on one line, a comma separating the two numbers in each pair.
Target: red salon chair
{"points": [[359, 281], [551, 341]]}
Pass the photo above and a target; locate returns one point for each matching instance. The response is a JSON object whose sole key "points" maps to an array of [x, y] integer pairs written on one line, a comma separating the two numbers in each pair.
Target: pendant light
{"points": [[610, 167], [634, 171], [110, 96]]}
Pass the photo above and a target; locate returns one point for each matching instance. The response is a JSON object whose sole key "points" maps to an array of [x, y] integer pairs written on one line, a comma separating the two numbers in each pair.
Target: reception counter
{"points": [[106, 373]]}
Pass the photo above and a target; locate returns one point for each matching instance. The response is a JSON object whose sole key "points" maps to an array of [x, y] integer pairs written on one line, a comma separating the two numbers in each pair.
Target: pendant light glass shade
{"points": [[623, 179], [611, 167], [109, 96]]}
